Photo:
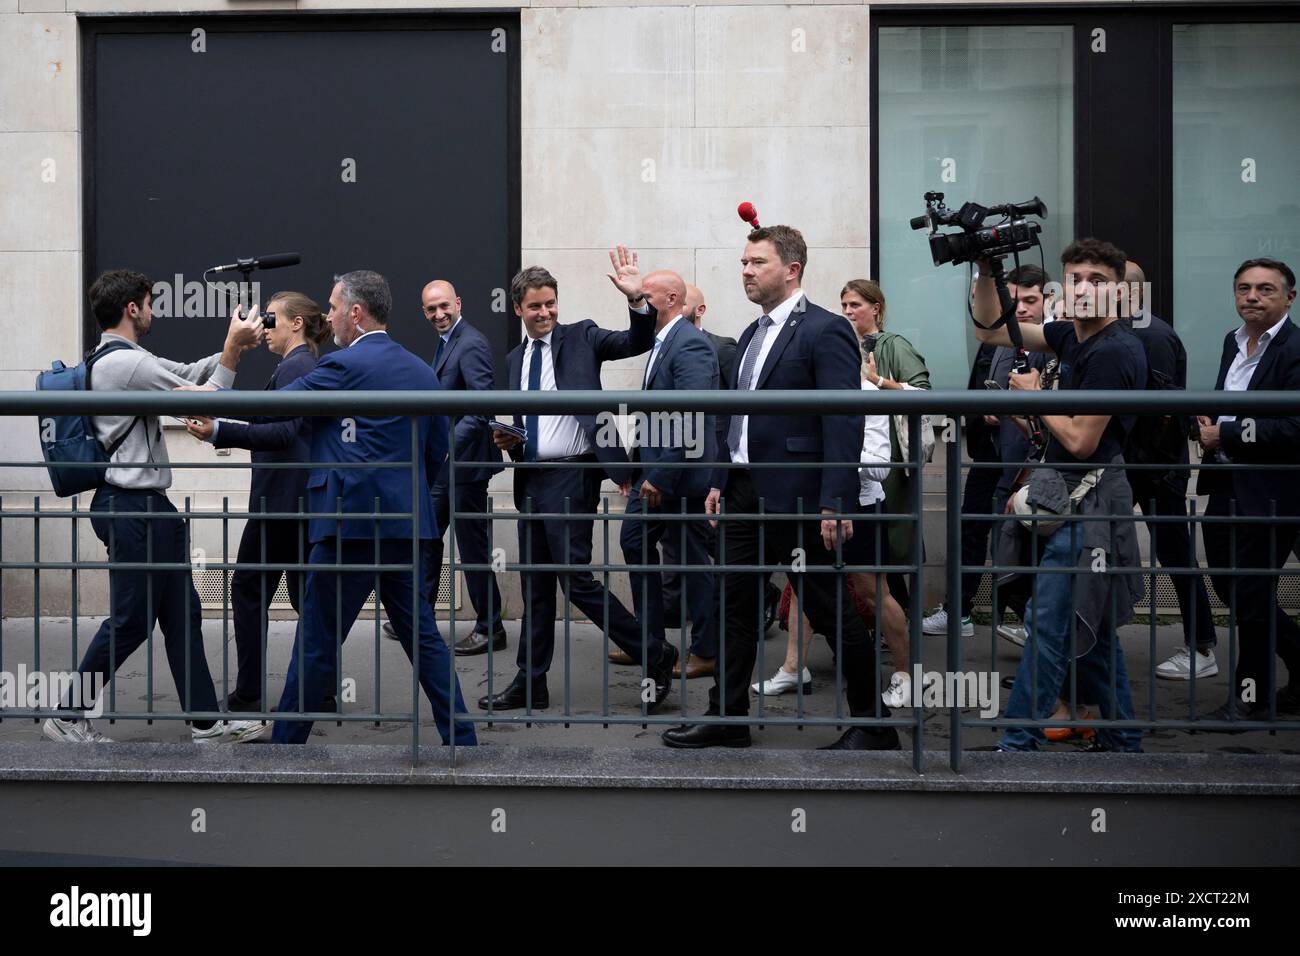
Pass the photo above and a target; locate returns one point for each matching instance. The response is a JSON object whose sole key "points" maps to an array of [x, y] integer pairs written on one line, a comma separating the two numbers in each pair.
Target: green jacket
{"points": [[898, 360]]}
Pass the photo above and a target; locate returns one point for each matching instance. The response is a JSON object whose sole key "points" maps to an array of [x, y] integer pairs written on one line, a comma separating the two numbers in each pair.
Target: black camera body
{"points": [[977, 241]]}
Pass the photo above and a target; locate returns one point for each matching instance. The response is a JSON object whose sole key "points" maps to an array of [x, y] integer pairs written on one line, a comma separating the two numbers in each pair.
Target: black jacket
{"points": [[275, 440], [1276, 439]]}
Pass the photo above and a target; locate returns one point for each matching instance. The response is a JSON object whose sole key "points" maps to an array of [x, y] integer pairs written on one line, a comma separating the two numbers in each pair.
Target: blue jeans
{"points": [[1045, 665]]}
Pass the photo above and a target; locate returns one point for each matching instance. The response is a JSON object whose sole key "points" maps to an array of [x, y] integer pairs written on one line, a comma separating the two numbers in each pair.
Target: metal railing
{"points": [[912, 404]]}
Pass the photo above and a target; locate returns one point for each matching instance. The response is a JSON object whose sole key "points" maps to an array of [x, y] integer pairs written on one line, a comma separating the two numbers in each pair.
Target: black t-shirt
{"points": [[1111, 359]]}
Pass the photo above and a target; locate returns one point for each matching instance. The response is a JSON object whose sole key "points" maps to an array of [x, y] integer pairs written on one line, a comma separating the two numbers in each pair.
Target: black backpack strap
{"points": [[91, 359]]}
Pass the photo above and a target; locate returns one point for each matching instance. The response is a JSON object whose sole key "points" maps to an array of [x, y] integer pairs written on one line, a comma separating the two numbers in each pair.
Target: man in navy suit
{"points": [[463, 362], [1263, 354], [682, 359], [368, 359], [794, 345], [555, 357]]}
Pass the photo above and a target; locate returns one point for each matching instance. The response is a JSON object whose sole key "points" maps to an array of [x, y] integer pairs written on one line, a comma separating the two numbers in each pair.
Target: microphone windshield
{"points": [[278, 260], [747, 212]]}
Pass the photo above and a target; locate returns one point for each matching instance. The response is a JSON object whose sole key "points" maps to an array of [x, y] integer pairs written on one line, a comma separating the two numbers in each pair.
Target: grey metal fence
{"points": [[952, 406]]}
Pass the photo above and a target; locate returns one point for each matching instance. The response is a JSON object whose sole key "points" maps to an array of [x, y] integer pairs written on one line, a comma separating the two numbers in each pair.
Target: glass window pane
{"points": [[983, 114], [1236, 171]]}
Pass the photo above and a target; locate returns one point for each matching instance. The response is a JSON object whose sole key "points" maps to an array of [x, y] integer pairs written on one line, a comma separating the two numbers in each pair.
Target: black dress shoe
{"points": [[390, 632], [866, 738], [706, 735], [663, 678], [1234, 711], [515, 697], [477, 642]]}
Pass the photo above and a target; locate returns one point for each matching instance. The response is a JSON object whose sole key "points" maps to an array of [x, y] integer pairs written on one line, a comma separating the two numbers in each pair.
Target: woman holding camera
{"points": [[295, 328], [891, 363]]}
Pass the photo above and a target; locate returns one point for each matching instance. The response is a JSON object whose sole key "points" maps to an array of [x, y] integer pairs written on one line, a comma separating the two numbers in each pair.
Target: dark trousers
{"points": [[140, 598], [274, 542], [640, 539], [976, 499], [333, 601], [472, 546], [1256, 608], [567, 541], [1174, 546], [821, 592]]}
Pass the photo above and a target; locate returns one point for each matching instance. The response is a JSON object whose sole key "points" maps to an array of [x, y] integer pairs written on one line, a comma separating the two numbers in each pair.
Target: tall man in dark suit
{"points": [[1162, 439], [555, 357], [682, 359], [360, 303], [463, 362], [1262, 355], [794, 345]]}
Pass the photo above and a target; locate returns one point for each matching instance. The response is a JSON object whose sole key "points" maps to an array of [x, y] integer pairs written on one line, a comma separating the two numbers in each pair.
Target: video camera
{"points": [[976, 240]]}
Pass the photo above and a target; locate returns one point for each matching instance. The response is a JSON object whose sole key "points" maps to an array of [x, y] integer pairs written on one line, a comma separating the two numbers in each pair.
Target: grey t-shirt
{"points": [[136, 369]]}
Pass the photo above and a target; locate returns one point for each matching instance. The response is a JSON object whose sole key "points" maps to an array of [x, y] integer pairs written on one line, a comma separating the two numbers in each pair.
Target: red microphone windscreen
{"points": [[748, 213]]}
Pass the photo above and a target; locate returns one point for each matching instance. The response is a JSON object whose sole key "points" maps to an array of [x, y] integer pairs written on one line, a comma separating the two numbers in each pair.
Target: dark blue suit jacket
{"points": [[1277, 439], [578, 352], [686, 362], [815, 349], [274, 440], [374, 362], [466, 365]]}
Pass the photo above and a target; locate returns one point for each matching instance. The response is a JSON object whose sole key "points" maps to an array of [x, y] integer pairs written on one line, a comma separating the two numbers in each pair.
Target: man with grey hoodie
{"points": [[144, 525]]}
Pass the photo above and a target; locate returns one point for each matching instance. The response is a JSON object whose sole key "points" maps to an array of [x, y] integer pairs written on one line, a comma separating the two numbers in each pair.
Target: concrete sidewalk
{"points": [[980, 653]]}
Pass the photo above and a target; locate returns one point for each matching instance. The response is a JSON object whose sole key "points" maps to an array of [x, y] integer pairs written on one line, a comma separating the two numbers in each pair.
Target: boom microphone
{"points": [[275, 261], [747, 212]]}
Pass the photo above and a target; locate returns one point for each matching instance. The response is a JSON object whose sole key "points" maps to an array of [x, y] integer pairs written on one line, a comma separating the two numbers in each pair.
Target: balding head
{"points": [[666, 293], [1135, 279], [441, 305], [695, 306]]}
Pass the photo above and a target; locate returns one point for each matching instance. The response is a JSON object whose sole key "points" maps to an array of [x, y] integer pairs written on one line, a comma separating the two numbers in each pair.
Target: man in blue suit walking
{"points": [[463, 362], [555, 357], [368, 360], [682, 358]]}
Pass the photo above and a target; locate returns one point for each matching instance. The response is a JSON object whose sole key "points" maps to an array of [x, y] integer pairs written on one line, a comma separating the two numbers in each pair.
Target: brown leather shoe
{"points": [[696, 667], [617, 656]]}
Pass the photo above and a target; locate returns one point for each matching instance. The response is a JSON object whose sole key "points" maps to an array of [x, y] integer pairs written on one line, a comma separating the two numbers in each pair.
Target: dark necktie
{"points": [[442, 347], [534, 385], [745, 379]]}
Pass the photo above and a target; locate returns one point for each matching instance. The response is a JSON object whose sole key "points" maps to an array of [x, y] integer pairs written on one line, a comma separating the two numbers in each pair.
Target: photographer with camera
{"points": [[1085, 476]]}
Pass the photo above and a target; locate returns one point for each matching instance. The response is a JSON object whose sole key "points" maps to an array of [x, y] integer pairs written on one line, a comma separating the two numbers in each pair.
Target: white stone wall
{"points": [[643, 124]]}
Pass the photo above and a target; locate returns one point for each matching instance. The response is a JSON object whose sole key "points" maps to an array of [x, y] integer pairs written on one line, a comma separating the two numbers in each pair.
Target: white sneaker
{"points": [[1179, 667], [937, 623], [212, 735], [1016, 635], [899, 692], [246, 731], [73, 732], [783, 682], [231, 731]]}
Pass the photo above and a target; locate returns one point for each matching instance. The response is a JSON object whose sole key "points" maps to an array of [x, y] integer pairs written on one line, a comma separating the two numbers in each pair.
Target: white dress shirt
{"points": [[660, 338], [779, 316], [558, 436], [1242, 369], [875, 452]]}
